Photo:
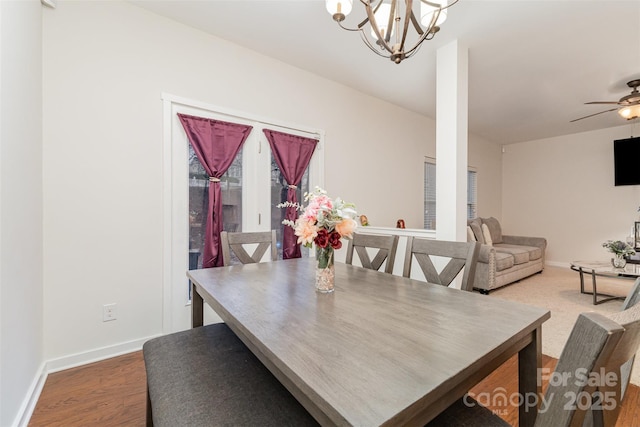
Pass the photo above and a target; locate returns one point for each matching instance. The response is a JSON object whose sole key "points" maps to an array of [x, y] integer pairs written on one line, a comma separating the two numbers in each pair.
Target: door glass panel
{"points": [[231, 188], [279, 189]]}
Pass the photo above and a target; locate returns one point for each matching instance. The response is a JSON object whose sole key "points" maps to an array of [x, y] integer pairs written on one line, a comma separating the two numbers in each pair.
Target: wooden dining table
{"points": [[379, 350]]}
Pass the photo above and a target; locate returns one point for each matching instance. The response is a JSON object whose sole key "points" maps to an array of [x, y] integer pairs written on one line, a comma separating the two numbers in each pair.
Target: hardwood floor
{"points": [[107, 393], [112, 393], [504, 382]]}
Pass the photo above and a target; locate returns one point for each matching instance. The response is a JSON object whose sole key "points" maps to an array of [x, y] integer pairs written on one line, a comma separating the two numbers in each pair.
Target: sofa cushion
{"points": [[503, 261], [487, 235], [534, 251], [470, 236], [476, 226], [494, 228], [520, 254]]}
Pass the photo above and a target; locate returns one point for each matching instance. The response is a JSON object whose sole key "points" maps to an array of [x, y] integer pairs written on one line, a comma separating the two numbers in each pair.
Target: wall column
{"points": [[452, 92]]}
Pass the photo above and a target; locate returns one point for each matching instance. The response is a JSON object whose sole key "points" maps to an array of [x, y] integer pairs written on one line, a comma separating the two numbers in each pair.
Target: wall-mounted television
{"points": [[626, 158]]}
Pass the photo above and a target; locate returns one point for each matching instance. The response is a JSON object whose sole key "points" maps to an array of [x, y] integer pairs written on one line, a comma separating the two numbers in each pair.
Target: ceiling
{"points": [[532, 64]]}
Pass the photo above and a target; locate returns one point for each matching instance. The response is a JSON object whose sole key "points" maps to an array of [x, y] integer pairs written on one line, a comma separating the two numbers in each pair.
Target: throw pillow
{"points": [[494, 227], [487, 235], [476, 227], [470, 236]]}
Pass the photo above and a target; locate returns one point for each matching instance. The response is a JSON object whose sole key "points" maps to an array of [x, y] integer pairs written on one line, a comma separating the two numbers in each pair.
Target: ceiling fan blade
{"points": [[591, 115], [603, 102]]}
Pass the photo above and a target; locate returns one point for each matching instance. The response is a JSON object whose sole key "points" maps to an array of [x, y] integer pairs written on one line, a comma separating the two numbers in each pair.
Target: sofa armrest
{"points": [[487, 254], [539, 242], [486, 269]]}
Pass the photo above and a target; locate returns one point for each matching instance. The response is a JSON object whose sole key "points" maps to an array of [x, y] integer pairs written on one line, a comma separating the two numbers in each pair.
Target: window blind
{"points": [[430, 194]]}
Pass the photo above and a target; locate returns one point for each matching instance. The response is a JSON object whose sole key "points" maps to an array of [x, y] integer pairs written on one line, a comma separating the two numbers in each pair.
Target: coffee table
{"points": [[605, 269]]}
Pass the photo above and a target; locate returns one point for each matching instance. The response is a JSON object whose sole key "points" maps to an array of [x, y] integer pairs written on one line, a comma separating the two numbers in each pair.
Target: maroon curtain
{"points": [[216, 144], [292, 154]]}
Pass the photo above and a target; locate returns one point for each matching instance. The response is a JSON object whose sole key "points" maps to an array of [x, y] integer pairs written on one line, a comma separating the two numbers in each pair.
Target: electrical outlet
{"points": [[109, 312]]}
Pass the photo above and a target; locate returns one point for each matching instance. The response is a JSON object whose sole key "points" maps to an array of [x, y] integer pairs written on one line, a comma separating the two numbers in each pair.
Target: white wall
{"points": [[21, 345], [562, 189], [106, 64], [486, 158]]}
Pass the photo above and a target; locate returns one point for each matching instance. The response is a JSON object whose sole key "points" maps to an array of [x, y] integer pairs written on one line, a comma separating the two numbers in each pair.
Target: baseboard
{"points": [[96, 355], [557, 264], [33, 393], [67, 362]]}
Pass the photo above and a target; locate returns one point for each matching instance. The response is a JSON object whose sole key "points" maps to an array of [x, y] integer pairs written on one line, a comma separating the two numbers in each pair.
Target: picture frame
{"points": [[636, 235]]}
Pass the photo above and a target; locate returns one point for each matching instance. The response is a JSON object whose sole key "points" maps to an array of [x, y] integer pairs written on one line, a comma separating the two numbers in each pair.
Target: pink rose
{"points": [[323, 202], [310, 215]]}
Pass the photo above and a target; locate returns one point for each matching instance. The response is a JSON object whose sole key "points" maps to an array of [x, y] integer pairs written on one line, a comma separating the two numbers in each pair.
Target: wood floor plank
{"points": [[113, 393], [107, 393]]}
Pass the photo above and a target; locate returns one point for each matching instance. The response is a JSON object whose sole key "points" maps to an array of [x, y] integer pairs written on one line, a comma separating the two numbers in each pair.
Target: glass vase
{"points": [[325, 273], [619, 261]]}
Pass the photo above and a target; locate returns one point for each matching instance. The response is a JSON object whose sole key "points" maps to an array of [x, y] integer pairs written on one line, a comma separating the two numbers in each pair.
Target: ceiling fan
{"points": [[630, 104]]}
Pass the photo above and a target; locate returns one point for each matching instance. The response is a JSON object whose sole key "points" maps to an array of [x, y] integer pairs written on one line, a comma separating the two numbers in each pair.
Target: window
{"points": [[279, 190], [231, 188], [472, 194], [232, 207], [430, 194], [251, 188]]}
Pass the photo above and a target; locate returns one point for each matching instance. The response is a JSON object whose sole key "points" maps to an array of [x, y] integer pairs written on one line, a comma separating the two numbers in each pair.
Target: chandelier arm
{"points": [[375, 9], [416, 25], [429, 28], [344, 28], [363, 23], [376, 30], [392, 16], [439, 6], [413, 50], [407, 18], [367, 42], [425, 36]]}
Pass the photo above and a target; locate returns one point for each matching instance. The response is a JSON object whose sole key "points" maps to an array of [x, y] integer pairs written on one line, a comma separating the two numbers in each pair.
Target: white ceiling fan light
{"points": [[629, 104], [630, 112], [427, 11]]}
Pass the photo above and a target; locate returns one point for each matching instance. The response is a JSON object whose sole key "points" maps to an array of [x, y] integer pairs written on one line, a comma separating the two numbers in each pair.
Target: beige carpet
{"points": [[558, 290]]}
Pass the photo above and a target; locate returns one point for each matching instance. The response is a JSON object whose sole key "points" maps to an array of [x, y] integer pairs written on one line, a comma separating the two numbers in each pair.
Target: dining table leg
{"points": [[197, 307], [529, 379]]}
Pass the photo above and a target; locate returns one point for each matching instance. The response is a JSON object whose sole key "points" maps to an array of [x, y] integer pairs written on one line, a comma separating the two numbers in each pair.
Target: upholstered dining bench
{"points": [[206, 376]]}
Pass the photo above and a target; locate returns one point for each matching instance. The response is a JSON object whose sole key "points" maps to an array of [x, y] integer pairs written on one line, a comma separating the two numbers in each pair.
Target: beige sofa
{"points": [[503, 259]]}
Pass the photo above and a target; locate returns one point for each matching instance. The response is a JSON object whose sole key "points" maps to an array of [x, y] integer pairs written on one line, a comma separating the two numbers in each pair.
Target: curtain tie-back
{"points": [[214, 179], [292, 186]]}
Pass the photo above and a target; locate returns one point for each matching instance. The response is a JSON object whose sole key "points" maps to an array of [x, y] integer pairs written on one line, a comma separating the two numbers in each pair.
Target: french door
{"points": [[251, 190]]}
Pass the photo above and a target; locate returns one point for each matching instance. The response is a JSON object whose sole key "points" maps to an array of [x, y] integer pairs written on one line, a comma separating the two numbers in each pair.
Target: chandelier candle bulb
{"points": [[382, 19], [339, 9]]}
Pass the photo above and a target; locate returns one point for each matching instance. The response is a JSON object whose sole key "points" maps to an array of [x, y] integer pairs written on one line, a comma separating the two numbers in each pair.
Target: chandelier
{"points": [[389, 22]]}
